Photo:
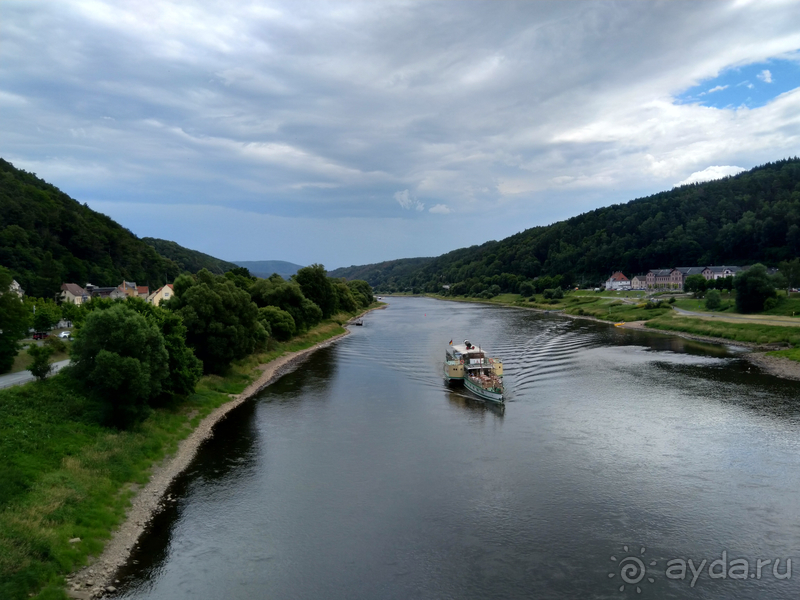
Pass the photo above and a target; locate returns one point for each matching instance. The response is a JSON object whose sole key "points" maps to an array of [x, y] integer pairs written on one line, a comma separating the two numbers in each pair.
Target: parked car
{"points": [[40, 335], [65, 335]]}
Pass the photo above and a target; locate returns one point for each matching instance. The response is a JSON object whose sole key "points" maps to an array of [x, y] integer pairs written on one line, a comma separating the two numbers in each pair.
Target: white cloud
{"points": [[765, 76], [283, 111], [718, 88], [407, 200], [710, 173], [440, 209]]}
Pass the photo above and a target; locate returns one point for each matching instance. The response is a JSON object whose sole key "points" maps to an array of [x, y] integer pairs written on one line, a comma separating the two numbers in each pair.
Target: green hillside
{"points": [[47, 238], [188, 260], [751, 217]]}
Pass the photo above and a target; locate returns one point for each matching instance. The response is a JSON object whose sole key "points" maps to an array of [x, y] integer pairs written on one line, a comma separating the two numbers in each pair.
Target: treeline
{"points": [[129, 355], [751, 217]]}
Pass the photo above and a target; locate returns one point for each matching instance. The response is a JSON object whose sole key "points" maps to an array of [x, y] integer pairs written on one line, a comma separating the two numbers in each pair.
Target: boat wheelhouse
{"points": [[482, 375]]}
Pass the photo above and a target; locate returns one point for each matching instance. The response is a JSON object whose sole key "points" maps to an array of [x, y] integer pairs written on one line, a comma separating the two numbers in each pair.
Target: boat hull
{"points": [[482, 392]]}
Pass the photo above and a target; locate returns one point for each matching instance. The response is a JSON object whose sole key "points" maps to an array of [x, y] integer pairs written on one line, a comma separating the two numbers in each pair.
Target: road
{"points": [[755, 319], [25, 376]]}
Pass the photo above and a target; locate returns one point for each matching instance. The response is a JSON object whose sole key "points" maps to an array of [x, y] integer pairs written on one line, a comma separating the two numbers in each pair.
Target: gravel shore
{"points": [[97, 579]]}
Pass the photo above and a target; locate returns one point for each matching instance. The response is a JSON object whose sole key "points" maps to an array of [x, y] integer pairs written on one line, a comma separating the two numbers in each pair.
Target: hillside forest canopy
{"points": [[751, 217]]}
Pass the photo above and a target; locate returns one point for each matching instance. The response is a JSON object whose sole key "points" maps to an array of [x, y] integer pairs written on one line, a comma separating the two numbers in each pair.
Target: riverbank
{"points": [[67, 482], [97, 579]]}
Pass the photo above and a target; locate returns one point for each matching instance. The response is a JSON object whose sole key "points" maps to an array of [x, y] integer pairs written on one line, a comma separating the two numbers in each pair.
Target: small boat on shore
{"points": [[481, 375]]}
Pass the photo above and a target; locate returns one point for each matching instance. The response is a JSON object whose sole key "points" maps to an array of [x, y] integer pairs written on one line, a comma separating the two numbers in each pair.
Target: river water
{"points": [[360, 475]]}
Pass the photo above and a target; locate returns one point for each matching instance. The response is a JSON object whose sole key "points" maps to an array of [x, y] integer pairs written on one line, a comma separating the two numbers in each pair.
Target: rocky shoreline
{"points": [[96, 580]]}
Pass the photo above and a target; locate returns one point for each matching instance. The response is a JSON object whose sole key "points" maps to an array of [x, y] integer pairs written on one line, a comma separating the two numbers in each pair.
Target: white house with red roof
{"points": [[618, 281]]}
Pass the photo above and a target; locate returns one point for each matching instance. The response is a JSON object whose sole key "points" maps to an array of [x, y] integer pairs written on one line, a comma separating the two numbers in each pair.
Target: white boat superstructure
{"points": [[482, 375]]}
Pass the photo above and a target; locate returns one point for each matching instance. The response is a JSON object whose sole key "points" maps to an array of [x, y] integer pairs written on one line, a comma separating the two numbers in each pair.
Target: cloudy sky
{"points": [[353, 132]]}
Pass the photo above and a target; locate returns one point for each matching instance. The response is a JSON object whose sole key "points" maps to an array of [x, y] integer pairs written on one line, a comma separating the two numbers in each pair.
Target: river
{"points": [[620, 456]]}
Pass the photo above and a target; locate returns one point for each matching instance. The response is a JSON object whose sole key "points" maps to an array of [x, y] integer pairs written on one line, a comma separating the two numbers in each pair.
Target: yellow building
{"points": [[161, 295]]}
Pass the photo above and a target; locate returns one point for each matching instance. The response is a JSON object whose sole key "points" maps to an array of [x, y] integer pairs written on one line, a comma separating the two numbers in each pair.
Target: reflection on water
{"points": [[362, 475]]}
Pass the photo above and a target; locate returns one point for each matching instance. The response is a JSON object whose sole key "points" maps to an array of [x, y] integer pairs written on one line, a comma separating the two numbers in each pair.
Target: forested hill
{"points": [[385, 273], [189, 260], [47, 238], [751, 217]]}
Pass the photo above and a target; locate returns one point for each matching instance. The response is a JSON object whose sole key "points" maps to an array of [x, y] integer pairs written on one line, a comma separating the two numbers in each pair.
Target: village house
{"points": [[720, 272], [162, 294], [639, 282], [143, 291], [664, 279], [103, 292], [618, 281], [73, 293], [16, 288], [128, 288]]}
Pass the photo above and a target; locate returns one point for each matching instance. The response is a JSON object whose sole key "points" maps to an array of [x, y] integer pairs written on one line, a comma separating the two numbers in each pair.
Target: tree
{"points": [[122, 361], [221, 319], [185, 369], [526, 289], [791, 271], [40, 367], [280, 323], [345, 301], [317, 287], [713, 300], [362, 292], [695, 284], [13, 321], [753, 287], [46, 314]]}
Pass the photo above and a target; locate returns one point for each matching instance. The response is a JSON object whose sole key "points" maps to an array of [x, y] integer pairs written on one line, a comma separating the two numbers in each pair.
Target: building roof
{"points": [[73, 288], [723, 268], [691, 270], [618, 276], [142, 289], [661, 272]]}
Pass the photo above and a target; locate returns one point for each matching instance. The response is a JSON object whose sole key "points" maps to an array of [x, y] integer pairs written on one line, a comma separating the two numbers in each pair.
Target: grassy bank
{"points": [[63, 476], [740, 332]]}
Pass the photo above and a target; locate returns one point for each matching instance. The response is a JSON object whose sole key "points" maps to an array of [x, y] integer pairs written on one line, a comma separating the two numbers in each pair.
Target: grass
{"points": [[63, 475], [23, 359], [791, 354], [740, 332]]}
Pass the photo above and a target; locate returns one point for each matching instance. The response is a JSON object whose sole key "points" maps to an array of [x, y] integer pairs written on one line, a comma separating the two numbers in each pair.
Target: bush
{"points": [[713, 300], [40, 367], [56, 344], [770, 303], [672, 300]]}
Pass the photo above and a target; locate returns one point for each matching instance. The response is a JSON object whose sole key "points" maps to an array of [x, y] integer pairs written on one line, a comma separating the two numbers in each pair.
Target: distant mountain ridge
{"points": [[265, 268], [750, 217]]}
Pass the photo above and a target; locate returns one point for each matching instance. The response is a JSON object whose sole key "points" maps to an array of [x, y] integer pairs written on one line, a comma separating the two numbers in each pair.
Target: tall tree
{"points": [[318, 288], [753, 287], [122, 360], [13, 321], [221, 320]]}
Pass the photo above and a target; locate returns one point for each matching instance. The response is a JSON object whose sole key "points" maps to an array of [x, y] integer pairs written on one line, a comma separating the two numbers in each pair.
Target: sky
{"points": [[351, 132]]}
